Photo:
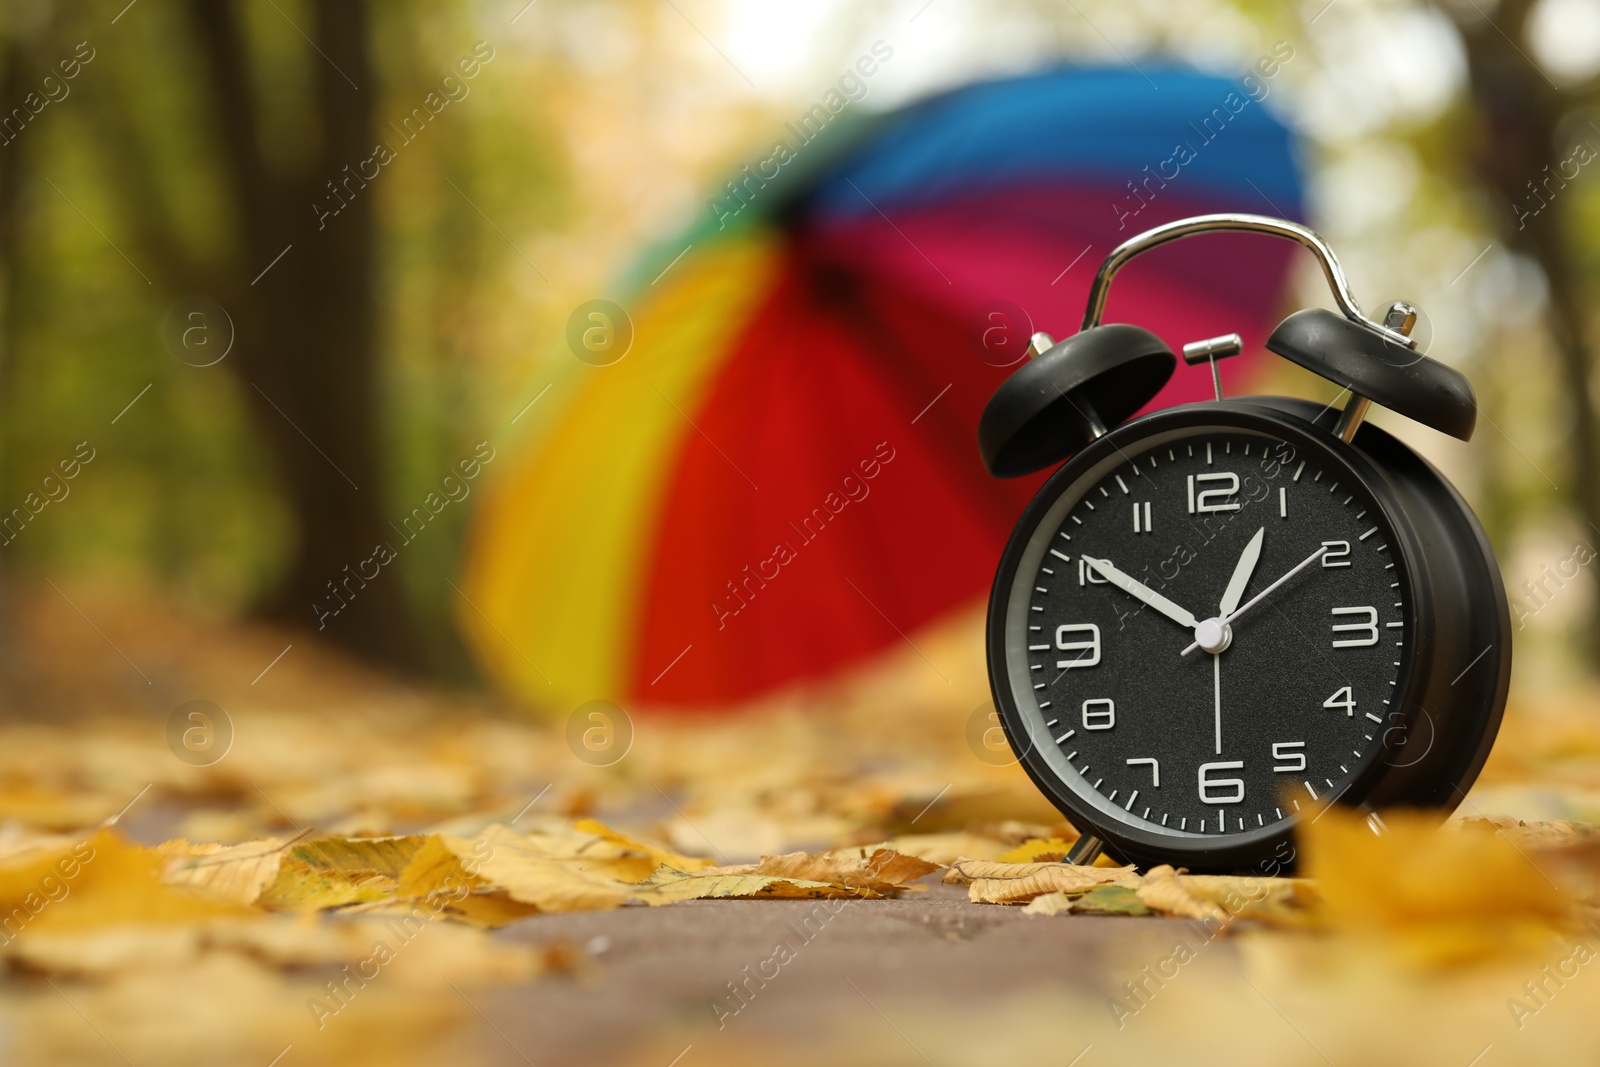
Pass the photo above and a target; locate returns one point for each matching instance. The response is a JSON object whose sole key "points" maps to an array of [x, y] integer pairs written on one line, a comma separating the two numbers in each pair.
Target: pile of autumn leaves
{"points": [[97, 904]]}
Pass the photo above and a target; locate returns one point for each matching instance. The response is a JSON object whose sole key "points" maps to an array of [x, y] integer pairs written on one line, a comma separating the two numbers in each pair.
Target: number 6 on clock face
{"points": [[1214, 790]]}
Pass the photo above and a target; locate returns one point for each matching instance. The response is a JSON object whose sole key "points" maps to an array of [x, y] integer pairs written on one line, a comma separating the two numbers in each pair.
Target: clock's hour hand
{"points": [[1241, 575], [1214, 628], [1140, 591]]}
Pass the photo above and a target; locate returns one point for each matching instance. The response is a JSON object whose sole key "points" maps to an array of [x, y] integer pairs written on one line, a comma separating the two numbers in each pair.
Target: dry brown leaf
{"points": [[237, 873], [1567, 852], [994, 882], [333, 872], [1215, 898], [1160, 890], [1049, 850], [358, 856], [1118, 898], [590, 844], [945, 848], [669, 886], [1050, 904], [658, 855], [438, 867], [1278, 901], [1560, 833], [301, 887], [525, 870], [485, 910], [1039, 850], [883, 871], [45, 868], [100, 881], [439, 875], [277, 940], [274, 941], [18, 842], [1436, 898]]}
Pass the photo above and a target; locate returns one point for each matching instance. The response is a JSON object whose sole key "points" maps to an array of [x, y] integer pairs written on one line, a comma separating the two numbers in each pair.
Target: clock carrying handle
{"points": [[1377, 362], [1230, 222], [1074, 390]]}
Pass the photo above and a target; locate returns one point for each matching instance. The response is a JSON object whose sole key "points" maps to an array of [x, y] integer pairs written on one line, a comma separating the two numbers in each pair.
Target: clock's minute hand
{"points": [[1140, 591], [1253, 601]]}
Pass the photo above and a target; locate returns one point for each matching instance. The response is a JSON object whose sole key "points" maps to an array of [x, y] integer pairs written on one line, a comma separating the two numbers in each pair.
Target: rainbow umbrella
{"points": [[779, 476]]}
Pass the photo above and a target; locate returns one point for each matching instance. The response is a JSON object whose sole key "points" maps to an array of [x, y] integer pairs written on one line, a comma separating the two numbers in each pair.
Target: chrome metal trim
{"points": [[1230, 222]]}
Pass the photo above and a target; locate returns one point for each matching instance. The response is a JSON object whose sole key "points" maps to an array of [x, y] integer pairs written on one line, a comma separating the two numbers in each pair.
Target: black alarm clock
{"points": [[1217, 619]]}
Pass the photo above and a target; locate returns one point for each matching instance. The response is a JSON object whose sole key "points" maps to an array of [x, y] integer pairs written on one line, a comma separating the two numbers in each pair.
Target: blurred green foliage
{"points": [[592, 134]]}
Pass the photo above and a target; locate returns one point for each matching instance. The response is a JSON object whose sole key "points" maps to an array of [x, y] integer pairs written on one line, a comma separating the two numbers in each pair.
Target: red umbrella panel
{"points": [[780, 479]]}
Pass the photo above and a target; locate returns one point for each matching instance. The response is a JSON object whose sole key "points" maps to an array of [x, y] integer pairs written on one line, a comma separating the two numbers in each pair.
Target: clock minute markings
{"points": [[1086, 563]]}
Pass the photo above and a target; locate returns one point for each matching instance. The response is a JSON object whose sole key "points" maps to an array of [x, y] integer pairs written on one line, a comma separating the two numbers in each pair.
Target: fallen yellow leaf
{"points": [[1279, 901], [883, 871], [945, 848], [657, 854], [1435, 897], [438, 867], [669, 886], [1117, 898], [1160, 890], [485, 910], [387, 856], [332, 872], [1039, 850], [274, 941], [100, 881], [300, 887], [237, 873], [994, 882], [528, 873]]}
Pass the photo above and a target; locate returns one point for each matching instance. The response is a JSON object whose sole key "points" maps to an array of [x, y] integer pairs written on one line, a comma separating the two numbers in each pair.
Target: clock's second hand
{"points": [[1253, 601], [1216, 688]]}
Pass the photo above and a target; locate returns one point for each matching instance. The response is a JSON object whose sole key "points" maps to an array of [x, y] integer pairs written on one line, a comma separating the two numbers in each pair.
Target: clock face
{"points": [[1136, 560]]}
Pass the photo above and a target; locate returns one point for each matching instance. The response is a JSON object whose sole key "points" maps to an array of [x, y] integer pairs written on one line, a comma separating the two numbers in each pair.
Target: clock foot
{"points": [[1084, 852]]}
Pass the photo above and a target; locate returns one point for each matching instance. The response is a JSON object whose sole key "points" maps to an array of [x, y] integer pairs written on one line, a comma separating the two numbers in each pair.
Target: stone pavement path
{"points": [[771, 972]]}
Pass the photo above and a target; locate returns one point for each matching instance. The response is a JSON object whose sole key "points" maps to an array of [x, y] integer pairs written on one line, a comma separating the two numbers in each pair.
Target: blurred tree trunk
{"points": [[13, 77], [302, 302], [1517, 160]]}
